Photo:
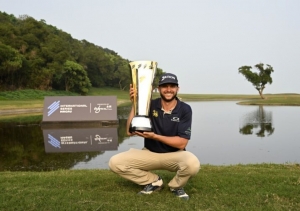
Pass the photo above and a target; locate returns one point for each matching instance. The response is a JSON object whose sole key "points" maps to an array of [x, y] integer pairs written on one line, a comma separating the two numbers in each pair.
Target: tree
{"points": [[260, 79], [121, 74], [75, 78], [10, 61], [158, 73], [33, 54]]}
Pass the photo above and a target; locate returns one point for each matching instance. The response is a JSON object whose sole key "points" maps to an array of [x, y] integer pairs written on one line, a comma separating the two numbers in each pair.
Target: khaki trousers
{"points": [[136, 164]]}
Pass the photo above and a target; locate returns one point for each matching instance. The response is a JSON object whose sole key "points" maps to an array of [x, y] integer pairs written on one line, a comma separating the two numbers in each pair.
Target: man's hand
{"points": [[150, 135], [173, 141], [132, 93]]}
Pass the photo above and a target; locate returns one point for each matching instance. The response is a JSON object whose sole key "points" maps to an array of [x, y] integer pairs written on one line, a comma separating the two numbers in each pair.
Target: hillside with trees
{"points": [[36, 55]]}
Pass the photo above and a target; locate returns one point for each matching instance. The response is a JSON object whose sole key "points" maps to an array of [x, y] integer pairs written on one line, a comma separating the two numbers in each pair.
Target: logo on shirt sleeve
{"points": [[188, 131], [155, 113]]}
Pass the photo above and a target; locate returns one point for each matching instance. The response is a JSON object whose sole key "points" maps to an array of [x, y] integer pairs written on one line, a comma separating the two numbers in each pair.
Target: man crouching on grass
{"points": [[164, 148]]}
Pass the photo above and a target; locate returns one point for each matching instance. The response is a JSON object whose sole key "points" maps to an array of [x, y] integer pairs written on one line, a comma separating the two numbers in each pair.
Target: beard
{"points": [[168, 100]]}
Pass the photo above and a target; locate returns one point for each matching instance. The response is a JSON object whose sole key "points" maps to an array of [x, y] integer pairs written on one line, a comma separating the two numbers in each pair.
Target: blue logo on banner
{"points": [[53, 107], [53, 141]]}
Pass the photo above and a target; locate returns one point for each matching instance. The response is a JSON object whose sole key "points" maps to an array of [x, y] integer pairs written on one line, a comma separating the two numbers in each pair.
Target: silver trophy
{"points": [[143, 73]]}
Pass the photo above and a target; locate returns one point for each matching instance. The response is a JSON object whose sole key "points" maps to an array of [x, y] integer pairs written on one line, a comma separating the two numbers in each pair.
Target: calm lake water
{"points": [[223, 133]]}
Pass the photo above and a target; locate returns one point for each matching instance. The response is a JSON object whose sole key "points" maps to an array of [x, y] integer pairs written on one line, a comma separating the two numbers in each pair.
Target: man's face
{"points": [[168, 92]]}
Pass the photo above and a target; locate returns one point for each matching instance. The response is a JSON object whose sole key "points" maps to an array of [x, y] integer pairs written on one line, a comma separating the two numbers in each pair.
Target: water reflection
{"points": [[22, 148], [258, 120], [27, 147], [222, 133], [80, 139]]}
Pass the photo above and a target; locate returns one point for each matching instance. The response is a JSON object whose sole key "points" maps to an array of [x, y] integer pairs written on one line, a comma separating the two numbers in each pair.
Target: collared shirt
{"points": [[177, 122]]}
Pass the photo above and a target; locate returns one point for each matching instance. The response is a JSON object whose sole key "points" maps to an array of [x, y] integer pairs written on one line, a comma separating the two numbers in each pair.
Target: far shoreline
{"points": [[34, 104]]}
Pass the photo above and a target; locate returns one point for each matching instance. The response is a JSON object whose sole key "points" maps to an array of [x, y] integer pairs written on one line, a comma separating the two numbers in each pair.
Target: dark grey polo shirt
{"points": [[177, 123]]}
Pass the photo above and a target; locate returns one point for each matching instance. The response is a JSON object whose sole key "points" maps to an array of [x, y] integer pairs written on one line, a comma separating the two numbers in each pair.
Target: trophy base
{"points": [[140, 124]]}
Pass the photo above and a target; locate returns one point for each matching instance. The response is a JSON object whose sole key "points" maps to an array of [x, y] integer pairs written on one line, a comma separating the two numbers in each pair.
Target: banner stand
{"points": [[80, 110], [80, 124]]}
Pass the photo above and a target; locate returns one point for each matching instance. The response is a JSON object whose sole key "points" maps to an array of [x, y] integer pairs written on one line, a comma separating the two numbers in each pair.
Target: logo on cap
{"points": [[168, 78]]}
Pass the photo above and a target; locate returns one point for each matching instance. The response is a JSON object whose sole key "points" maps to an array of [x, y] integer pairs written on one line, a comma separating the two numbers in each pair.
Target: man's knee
{"points": [[113, 163], [116, 165], [193, 165]]}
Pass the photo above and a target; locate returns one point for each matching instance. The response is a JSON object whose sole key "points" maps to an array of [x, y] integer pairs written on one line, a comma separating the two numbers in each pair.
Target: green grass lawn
{"points": [[239, 187]]}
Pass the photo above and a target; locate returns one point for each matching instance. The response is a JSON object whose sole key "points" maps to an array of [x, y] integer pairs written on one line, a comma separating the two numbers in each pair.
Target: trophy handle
{"points": [[134, 85]]}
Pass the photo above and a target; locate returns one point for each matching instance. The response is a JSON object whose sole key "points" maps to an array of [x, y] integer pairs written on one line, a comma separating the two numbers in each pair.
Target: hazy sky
{"points": [[202, 42]]}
